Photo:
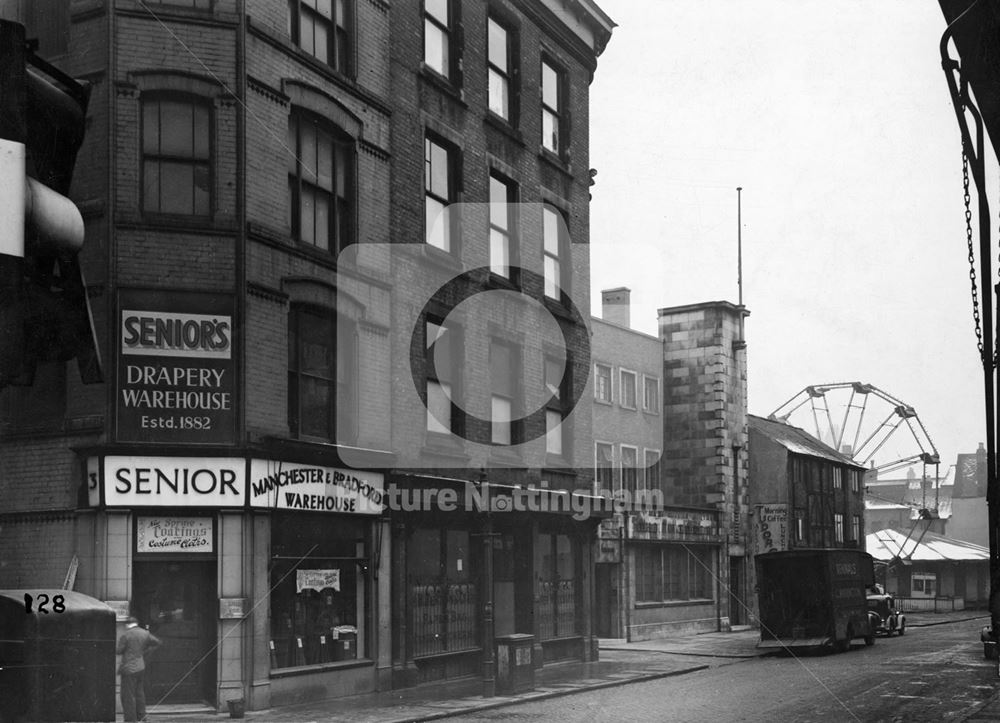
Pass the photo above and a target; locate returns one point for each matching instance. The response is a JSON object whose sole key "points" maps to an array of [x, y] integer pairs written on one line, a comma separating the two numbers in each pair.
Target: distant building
{"points": [[898, 502], [811, 493], [968, 504], [657, 567], [926, 566]]}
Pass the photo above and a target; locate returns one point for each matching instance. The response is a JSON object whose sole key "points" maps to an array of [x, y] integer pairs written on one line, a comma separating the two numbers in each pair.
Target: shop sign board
{"points": [[176, 368], [608, 551], [174, 481], [290, 486], [771, 527], [673, 525], [173, 534], [121, 608]]}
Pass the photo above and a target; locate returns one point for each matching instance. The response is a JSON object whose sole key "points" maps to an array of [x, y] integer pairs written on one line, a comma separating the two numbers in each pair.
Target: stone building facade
{"points": [[704, 460]]}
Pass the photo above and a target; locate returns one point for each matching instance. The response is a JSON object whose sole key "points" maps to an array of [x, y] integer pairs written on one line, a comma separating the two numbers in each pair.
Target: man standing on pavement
{"points": [[134, 643]]}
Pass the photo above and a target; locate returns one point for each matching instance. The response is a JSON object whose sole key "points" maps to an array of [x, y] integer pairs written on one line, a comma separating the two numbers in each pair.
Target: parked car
{"points": [[885, 618]]}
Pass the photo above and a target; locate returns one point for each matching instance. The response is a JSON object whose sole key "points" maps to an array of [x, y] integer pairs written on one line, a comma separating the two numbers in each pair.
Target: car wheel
{"points": [[870, 639], [902, 628]]}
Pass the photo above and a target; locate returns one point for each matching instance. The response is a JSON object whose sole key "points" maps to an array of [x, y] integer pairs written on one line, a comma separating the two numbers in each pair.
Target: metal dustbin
{"points": [[515, 671]]}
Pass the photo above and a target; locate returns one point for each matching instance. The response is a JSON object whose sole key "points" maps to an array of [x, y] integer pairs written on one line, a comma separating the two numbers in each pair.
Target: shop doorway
{"points": [[606, 594], [176, 600], [737, 604]]}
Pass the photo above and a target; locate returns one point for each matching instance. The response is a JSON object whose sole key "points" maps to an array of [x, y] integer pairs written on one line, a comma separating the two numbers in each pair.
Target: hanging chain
{"points": [[972, 255], [972, 263]]}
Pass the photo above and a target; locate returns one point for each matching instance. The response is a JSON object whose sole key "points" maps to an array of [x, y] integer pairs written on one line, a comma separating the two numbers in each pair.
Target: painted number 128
{"points": [[58, 603]]}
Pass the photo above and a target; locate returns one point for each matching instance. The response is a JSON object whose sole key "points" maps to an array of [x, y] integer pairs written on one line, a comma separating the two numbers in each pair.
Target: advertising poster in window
{"points": [[176, 368], [771, 527], [173, 534]]}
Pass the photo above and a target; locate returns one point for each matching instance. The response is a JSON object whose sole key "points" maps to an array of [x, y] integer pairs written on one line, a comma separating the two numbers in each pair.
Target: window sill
{"points": [[198, 224], [496, 281], [321, 667], [605, 402], [558, 309], [674, 603], [631, 409], [651, 412], [441, 83], [437, 444], [555, 161], [447, 260], [508, 128]]}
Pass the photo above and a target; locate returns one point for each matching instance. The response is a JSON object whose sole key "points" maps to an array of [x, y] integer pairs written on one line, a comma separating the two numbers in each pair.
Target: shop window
{"points": [[322, 375], [319, 611], [320, 28], [320, 183], [176, 155], [443, 596], [669, 573], [556, 586], [924, 584]]}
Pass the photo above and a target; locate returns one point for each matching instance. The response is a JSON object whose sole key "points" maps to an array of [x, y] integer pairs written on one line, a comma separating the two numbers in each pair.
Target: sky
{"points": [[835, 119]]}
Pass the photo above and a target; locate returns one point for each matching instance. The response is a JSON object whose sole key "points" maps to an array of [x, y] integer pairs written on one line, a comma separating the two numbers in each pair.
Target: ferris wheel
{"points": [[875, 429]]}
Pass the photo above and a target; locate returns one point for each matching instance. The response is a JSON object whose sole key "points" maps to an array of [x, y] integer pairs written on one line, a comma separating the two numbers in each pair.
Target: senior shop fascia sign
{"points": [[133, 481], [176, 371], [289, 486]]}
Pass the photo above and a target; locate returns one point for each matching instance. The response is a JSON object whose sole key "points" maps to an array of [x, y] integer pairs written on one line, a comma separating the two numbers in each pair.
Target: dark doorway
{"points": [[737, 601], [606, 591], [177, 600]]}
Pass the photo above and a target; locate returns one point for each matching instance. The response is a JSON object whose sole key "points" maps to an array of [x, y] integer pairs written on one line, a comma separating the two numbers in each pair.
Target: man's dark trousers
{"points": [[134, 696]]}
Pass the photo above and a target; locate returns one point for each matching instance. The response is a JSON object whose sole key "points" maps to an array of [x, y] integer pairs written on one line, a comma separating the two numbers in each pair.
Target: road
{"points": [[934, 673]]}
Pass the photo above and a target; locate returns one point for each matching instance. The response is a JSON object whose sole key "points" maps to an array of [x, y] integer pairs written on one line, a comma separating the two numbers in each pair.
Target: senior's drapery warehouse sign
{"points": [[287, 486], [176, 367], [173, 534], [771, 526], [174, 481]]}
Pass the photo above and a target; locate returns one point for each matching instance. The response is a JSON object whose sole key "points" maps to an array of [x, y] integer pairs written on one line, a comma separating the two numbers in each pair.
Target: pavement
{"points": [[620, 663]]}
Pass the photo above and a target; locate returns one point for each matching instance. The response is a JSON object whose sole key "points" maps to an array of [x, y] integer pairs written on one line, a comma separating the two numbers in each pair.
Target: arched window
{"points": [[320, 183], [176, 155]]}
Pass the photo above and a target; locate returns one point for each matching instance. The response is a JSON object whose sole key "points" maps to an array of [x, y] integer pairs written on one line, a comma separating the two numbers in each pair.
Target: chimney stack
{"points": [[615, 306]]}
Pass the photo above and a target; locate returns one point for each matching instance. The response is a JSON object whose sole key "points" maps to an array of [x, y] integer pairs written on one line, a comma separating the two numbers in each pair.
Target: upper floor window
{"points": [[320, 183], [838, 527], [651, 395], [176, 156], [838, 478], [499, 62], [552, 251], [319, 27], [439, 192], [652, 469], [503, 387], [553, 108], [602, 383], [628, 387], [555, 408], [856, 528], [439, 25], [502, 198], [630, 465], [322, 374], [604, 470], [443, 415]]}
